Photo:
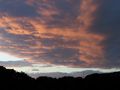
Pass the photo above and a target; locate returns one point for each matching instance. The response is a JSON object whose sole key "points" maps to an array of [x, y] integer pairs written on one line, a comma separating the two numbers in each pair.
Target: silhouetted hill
{"points": [[12, 80], [10, 74]]}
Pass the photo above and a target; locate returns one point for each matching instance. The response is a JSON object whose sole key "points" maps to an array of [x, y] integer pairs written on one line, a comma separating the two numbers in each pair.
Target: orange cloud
{"points": [[91, 50], [55, 37]]}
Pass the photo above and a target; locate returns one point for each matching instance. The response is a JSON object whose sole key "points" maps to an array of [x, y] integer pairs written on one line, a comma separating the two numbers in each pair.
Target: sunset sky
{"points": [[60, 35]]}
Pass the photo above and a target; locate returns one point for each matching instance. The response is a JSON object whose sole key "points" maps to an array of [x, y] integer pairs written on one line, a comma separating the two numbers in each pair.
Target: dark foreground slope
{"points": [[12, 80]]}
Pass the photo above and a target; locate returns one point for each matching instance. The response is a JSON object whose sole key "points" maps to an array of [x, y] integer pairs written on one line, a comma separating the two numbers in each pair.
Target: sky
{"points": [[60, 35]]}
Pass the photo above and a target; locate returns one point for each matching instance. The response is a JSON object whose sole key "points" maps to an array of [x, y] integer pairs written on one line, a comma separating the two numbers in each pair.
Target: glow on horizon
{"points": [[8, 57], [59, 69]]}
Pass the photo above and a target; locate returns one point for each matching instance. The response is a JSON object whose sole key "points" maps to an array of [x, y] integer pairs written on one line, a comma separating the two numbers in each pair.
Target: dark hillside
{"points": [[12, 80]]}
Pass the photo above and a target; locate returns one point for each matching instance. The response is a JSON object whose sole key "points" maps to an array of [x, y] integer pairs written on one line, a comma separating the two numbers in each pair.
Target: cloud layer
{"points": [[81, 33]]}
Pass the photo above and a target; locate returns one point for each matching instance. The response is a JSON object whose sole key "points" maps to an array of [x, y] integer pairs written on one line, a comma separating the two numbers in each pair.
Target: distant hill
{"points": [[60, 74], [12, 80]]}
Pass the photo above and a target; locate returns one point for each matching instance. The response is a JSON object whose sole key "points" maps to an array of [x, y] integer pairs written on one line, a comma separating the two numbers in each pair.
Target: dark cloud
{"points": [[107, 23], [15, 63], [81, 33], [17, 8], [57, 13]]}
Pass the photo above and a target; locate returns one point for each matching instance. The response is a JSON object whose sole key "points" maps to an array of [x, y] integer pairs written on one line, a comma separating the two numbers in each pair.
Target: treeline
{"points": [[12, 80]]}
